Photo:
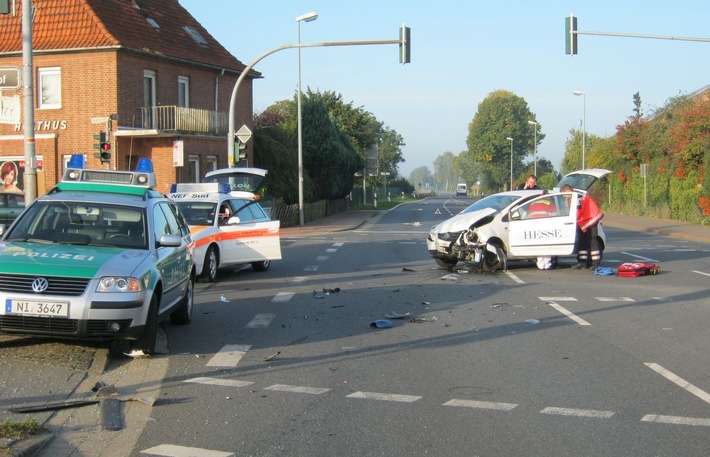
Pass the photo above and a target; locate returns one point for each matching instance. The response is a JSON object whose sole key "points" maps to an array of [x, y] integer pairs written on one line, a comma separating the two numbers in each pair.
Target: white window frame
{"points": [[193, 163], [183, 87], [49, 86], [149, 99], [211, 163]]}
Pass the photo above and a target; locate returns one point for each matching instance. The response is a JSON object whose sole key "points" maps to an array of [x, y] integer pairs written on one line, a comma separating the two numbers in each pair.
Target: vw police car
{"points": [[229, 228], [101, 256]]}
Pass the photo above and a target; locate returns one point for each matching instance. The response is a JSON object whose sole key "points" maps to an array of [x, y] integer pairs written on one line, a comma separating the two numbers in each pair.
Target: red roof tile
{"points": [[87, 24]]}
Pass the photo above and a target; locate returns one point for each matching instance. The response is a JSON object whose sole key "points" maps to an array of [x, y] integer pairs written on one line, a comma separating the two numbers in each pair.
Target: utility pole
{"points": [[30, 173]]}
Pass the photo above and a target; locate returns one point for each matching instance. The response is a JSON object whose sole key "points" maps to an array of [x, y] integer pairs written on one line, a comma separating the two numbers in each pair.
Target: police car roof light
{"points": [[173, 188], [145, 165], [77, 161]]}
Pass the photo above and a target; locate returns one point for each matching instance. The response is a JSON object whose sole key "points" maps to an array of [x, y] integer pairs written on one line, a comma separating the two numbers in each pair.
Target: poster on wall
{"points": [[12, 172]]}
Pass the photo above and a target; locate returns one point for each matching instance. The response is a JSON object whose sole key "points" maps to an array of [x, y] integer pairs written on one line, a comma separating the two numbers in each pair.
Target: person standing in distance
{"points": [[530, 183]]}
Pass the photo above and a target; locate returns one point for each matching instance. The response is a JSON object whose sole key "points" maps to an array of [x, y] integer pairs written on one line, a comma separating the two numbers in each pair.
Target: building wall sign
{"points": [[46, 126], [10, 109]]}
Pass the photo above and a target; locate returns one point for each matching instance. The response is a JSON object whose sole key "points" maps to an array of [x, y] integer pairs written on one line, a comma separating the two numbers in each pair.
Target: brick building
{"points": [[160, 78]]}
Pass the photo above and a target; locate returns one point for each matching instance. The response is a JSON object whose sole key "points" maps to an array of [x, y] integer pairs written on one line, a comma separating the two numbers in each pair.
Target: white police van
{"points": [[102, 256]]}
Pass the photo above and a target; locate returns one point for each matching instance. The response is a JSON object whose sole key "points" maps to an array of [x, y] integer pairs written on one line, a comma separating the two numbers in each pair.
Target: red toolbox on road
{"points": [[634, 269]]}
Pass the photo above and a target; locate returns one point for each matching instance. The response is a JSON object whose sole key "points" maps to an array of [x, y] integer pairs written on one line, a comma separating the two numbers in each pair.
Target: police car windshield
{"points": [[84, 223], [198, 212], [496, 202]]}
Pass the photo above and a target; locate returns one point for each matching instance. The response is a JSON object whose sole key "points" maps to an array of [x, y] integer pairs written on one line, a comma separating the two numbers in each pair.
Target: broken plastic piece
{"points": [[381, 323], [532, 321], [394, 315], [223, 299], [450, 277], [101, 389]]}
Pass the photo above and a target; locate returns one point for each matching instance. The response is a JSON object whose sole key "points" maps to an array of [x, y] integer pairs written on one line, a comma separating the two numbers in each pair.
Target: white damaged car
{"points": [[514, 225]]}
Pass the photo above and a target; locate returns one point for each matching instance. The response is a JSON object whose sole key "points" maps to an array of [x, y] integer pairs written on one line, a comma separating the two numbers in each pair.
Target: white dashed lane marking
{"points": [[311, 268], [171, 450], [481, 404], [676, 420], [614, 299], [577, 412], [219, 382], [229, 355], [384, 397], [701, 394], [568, 313], [297, 389]]}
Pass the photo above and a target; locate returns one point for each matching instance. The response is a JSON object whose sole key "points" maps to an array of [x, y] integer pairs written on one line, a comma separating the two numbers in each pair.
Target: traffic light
{"points": [[405, 44], [105, 151], [570, 35]]}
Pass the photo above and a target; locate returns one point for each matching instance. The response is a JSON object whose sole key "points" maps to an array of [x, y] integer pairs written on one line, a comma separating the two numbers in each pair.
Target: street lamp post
{"points": [[584, 127], [535, 154], [308, 17], [511, 162]]}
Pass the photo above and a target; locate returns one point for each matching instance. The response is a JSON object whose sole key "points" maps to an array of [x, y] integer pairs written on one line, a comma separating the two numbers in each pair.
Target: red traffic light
{"points": [[105, 146]]}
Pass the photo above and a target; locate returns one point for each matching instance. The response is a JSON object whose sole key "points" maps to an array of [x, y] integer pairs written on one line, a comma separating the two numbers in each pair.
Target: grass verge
{"points": [[19, 430]]}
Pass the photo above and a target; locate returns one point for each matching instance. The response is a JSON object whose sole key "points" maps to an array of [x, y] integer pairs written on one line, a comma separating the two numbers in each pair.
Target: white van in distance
{"points": [[461, 189]]}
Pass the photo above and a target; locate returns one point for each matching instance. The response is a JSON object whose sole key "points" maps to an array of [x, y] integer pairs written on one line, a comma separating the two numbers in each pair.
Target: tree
{"points": [[500, 115], [445, 176], [421, 178]]}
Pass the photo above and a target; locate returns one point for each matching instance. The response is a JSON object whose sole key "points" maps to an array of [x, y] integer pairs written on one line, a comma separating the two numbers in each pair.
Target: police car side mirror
{"points": [[515, 215], [170, 241], [2, 229]]}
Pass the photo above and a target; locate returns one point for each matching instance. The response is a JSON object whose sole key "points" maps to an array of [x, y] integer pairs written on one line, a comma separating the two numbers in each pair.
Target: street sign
{"points": [[9, 78], [99, 120], [244, 134]]}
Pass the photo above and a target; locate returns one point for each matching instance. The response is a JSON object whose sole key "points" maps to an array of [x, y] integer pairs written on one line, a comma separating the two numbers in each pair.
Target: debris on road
{"points": [[450, 277], [395, 315], [272, 356], [381, 323]]}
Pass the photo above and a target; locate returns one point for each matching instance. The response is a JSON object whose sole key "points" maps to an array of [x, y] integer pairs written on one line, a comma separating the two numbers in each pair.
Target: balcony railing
{"points": [[184, 120]]}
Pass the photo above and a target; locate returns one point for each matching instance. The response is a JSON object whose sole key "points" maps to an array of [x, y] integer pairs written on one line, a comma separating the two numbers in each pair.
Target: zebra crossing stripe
{"points": [[282, 297], [229, 355], [262, 320]]}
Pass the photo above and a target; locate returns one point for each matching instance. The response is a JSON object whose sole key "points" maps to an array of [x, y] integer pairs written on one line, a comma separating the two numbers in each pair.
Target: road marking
{"points": [[298, 389], [311, 268], [331, 250], [700, 273], [557, 298], [170, 450], [337, 245], [219, 382], [481, 404], [262, 320], [568, 313], [282, 297], [577, 412], [701, 394], [640, 257], [384, 397], [514, 277], [614, 299], [321, 258], [677, 420], [229, 355], [300, 279]]}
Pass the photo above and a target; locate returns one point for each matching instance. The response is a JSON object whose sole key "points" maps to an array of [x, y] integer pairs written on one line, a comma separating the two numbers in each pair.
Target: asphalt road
{"points": [[526, 362]]}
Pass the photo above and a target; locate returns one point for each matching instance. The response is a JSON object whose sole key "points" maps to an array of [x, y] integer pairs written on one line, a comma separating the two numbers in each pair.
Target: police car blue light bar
{"points": [[142, 177]]}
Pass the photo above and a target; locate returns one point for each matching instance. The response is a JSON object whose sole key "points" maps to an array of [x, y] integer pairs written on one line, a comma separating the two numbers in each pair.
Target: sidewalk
{"points": [[664, 227]]}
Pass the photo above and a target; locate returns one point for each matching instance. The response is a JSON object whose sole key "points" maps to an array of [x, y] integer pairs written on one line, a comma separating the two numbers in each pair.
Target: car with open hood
{"points": [[514, 225]]}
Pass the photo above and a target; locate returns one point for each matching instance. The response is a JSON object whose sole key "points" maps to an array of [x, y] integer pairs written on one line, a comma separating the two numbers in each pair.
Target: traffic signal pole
{"points": [[404, 42], [30, 171]]}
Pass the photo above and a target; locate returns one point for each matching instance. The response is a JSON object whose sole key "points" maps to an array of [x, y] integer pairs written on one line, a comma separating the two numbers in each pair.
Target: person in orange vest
{"points": [[588, 216]]}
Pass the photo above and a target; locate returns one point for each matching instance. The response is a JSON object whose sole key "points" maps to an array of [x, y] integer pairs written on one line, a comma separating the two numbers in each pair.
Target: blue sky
{"points": [[464, 50]]}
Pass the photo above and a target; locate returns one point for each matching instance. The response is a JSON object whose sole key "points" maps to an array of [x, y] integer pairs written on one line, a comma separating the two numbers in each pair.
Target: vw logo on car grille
{"points": [[39, 285]]}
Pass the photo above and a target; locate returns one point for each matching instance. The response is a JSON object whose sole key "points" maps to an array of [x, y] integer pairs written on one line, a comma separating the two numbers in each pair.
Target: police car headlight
{"points": [[119, 284]]}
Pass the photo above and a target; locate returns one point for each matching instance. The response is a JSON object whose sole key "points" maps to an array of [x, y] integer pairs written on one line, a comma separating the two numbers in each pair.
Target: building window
{"points": [[183, 87], [49, 93], [193, 169], [148, 99], [196, 36], [211, 163]]}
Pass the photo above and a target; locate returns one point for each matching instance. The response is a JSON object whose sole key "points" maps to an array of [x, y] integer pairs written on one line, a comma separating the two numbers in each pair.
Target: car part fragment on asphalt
{"points": [[381, 323], [111, 414], [52, 406], [395, 315]]}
